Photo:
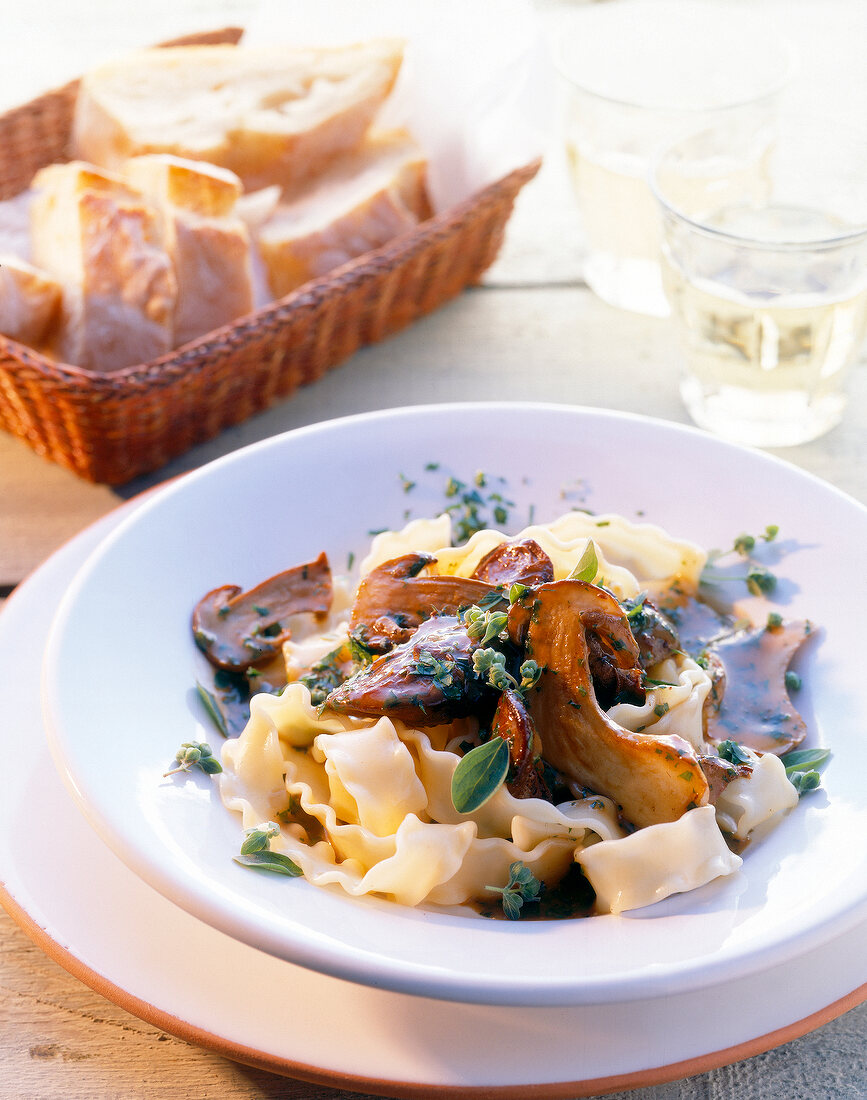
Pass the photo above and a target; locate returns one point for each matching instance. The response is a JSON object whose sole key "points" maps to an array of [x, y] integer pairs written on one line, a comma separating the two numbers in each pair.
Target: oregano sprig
{"points": [[256, 851], [803, 768], [523, 886], [483, 625], [758, 578], [259, 837], [195, 754], [491, 665]]}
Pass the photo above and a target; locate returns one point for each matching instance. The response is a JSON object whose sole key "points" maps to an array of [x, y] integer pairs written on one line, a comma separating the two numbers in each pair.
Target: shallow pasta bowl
{"points": [[120, 669]]}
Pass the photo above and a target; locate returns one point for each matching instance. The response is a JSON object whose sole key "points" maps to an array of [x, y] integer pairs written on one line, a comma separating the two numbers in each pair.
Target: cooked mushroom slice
{"points": [[394, 599], [236, 629], [613, 652], [719, 773], [715, 669], [425, 681], [522, 561], [654, 632], [755, 709], [653, 778], [513, 723]]}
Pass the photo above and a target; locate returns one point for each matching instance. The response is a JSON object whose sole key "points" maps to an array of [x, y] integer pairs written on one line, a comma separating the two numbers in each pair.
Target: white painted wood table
{"points": [[532, 331]]}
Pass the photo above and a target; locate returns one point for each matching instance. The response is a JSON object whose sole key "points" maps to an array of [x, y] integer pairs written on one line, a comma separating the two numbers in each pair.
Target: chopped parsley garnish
{"points": [[442, 671], [361, 653], [733, 753], [324, 676], [470, 507]]}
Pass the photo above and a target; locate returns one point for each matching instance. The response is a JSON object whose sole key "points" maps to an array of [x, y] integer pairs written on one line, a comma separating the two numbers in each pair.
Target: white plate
{"points": [[181, 975], [120, 665]]}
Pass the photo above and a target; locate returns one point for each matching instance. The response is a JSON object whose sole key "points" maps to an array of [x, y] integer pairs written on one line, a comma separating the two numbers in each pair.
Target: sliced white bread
{"points": [[29, 301], [178, 183], [103, 243], [208, 243], [15, 225], [269, 114], [364, 200]]}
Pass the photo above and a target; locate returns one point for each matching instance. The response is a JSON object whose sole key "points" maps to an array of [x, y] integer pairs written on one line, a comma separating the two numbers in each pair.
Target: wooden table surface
{"points": [[532, 331]]}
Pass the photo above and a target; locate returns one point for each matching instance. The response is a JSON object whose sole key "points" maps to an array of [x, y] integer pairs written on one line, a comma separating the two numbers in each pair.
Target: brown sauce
{"points": [[755, 709], [751, 704], [569, 899]]}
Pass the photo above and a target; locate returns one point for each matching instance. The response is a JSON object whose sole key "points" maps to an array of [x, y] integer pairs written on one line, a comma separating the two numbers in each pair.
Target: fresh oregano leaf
{"points": [[802, 768], [484, 625], [212, 707], [760, 580], [805, 759], [530, 674], [587, 566], [259, 838], [479, 775], [517, 591], [270, 861], [805, 781]]}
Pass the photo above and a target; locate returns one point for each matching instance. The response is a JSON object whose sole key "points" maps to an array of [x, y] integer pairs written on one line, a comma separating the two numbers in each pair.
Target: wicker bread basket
{"points": [[112, 427]]}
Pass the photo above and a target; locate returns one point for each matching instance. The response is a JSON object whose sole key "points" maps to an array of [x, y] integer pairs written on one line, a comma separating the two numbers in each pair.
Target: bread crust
{"points": [[366, 198], [208, 244], [105, 248], [29, 301], [271, 115]]}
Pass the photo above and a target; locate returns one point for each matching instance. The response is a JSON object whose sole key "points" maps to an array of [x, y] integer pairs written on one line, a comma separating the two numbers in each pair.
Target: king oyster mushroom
{"points": [[653, 778]]}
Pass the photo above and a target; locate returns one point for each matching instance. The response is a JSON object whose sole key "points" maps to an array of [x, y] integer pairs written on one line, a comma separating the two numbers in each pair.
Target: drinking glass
{"points": [[638, 75], [768, 291]]}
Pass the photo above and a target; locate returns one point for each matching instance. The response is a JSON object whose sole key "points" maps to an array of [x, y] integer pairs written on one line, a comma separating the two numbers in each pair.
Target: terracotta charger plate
{"points": [[225, 995]]}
